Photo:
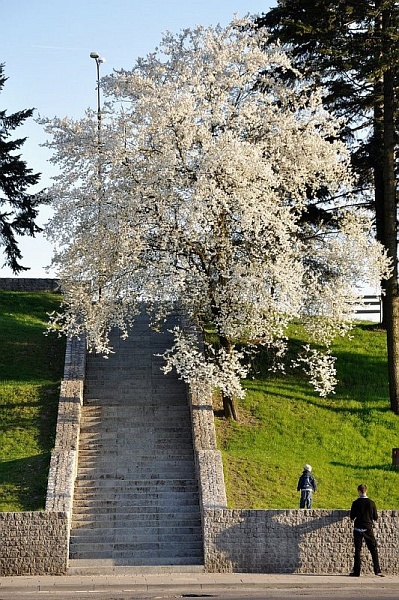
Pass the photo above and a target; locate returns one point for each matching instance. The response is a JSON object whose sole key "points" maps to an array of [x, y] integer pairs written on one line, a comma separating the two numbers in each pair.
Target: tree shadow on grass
{"points": [[363, 374], [39, 413], [303, 393], [23, 483], [357, 467]]}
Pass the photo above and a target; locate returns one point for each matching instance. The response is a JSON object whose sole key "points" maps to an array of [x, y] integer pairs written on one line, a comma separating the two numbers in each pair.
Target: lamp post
{"points": [[99, 60]]}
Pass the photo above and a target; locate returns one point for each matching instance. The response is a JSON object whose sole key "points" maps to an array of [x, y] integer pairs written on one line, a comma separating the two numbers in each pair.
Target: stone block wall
{"points": [[292, 541], [33, 543], [29, 284]]}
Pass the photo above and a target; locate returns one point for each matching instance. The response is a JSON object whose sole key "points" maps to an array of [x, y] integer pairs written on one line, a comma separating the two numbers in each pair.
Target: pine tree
{"points": [[351, 47], [18, 209]]}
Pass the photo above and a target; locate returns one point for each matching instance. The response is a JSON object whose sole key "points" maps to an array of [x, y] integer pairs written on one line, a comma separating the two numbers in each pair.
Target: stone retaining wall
{"points": [[33, 543], [29, 284], [293, 541]]}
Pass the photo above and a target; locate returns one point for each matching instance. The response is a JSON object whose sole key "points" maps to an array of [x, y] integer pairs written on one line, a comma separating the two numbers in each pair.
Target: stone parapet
{"points": [[208, 459], [64, 458], [292, 541]]}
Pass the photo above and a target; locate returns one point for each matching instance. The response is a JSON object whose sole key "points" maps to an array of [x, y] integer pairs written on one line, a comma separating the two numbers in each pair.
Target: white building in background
{"points": [[371, 310]]}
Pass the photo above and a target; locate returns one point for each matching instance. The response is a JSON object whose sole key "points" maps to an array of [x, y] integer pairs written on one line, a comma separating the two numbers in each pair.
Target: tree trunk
{"points": [[390, 229], [229, 409], [378, 160]]}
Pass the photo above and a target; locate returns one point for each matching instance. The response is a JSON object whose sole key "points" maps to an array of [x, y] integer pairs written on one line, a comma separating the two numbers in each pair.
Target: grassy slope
{"points": [[31, 366], [347, 438]]}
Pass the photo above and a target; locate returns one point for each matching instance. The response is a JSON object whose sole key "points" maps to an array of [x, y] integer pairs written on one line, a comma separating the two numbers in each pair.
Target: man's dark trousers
{"points": [[368, 537]]}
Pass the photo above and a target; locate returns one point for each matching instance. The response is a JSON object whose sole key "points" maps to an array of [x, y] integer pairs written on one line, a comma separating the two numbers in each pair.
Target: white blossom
{"points": [[197, 192], [320, 368]]}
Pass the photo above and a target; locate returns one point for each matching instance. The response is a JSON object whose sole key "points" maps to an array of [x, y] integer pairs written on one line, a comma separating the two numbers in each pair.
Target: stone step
{"points": [[152, 390], [146, 444], [127, 501], [135, 536], [169, 461], [129, 493], [136, 499], [145, 512], [152, 482], [149, 556], [126, 566], [140, 444], [125, 451], [136, 438], [156, 384], [123, 567], [172, 500], [102, 474], [139, 550], [115, 484], [148, 410], [128, 418], [138, 521], [127, 400], [126, 423], [117, 462], [132, 433], [149, 474]]}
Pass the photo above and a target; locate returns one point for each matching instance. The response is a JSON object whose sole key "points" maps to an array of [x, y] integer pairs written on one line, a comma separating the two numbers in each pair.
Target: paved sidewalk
{"points": [[197, 584]]}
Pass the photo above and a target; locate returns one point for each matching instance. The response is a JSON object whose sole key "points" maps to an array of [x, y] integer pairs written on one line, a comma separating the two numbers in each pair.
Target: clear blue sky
{"points": [[46, 45]]}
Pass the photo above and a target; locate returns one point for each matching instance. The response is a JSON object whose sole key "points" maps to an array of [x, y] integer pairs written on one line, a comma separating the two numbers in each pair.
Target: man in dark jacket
{"points": [[364, 513], [306, 485]]}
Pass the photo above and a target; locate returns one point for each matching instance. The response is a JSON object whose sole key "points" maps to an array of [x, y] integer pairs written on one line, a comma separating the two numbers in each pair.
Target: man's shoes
{"points": [[354, 575], [379, 575]]}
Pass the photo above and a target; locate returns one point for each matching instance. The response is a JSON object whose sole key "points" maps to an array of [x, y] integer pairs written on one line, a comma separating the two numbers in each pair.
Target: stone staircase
{"points": [[136, 504]]}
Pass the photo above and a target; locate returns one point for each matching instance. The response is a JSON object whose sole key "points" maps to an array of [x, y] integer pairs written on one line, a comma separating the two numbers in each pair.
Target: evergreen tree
{"points": [[351, 47], [18, 209]]}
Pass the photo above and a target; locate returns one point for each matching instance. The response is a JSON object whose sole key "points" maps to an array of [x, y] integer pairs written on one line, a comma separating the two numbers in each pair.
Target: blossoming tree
{"points": [[200, 192]]}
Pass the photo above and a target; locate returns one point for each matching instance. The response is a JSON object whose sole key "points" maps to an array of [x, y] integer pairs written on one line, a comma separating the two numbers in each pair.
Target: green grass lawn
{"points": [[347, 438], [31, 367]]}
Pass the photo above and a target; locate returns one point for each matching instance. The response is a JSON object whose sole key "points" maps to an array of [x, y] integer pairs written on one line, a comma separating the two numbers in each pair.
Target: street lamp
{"points": [[99, 60]]}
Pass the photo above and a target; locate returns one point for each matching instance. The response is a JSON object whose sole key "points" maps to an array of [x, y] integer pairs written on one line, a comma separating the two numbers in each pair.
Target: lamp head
{"points": [[94, 55]]}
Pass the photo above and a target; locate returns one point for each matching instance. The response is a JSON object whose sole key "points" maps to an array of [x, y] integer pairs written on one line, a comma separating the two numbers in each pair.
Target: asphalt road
{"points": [[217, 586]]}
